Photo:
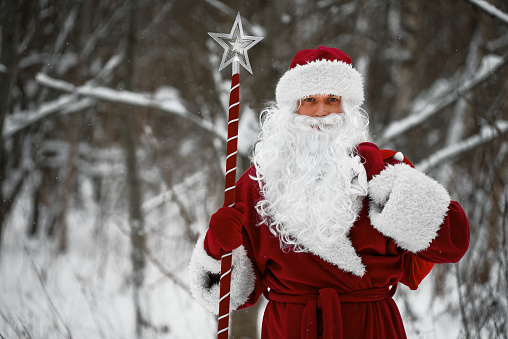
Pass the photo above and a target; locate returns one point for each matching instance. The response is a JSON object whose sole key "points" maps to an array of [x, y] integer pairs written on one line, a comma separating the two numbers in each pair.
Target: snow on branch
{"points": [[420, 113], [221, 7], [69, 103], [168, 104], [491, 9], [486, 134]]}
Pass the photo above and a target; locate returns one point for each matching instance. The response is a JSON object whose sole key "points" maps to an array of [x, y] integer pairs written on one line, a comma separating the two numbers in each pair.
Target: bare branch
{"points": [[166, 272], [491, 10], [488, 133], [92, 304], [226, 9], [102, 30], [50, 302], [421, 114], [20, 120], [66, 29], [173, 107]]}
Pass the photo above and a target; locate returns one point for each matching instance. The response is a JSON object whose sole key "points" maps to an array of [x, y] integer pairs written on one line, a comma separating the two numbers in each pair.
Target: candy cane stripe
{"points": [[233, 88], [223, 275], [224, 297], [235, 104], [230, 188], [234, 120], [232, 138], [229, 156]]}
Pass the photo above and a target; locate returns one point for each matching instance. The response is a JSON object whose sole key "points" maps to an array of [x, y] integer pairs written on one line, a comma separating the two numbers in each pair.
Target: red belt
{"points": [[328, 302]]}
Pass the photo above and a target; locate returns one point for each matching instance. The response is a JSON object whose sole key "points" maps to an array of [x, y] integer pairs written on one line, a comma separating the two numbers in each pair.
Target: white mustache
{"points": [[333, 120]]}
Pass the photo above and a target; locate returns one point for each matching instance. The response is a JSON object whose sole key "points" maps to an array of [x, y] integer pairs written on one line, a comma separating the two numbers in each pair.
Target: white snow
{"points": [[87, 291], [431, 317]]}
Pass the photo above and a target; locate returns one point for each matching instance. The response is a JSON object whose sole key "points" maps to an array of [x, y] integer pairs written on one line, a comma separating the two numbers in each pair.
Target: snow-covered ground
{"points": [[86, 292]]}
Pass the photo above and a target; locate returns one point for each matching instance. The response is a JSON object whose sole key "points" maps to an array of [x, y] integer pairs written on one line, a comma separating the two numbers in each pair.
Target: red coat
{"points": [[312, 298]]}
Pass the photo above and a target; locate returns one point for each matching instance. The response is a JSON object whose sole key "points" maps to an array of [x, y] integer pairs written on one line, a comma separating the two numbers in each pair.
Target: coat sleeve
{"points": [[407, 206], [246, 284], [452, 240], [204, 277], [450, 244], [417, 212]]}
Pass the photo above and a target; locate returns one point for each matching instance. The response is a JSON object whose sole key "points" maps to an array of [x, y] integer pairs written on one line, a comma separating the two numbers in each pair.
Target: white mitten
{"points": [[407, 206]]}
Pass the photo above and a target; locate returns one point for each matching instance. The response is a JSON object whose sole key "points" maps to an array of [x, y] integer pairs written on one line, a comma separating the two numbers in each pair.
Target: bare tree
{"points": [[7, 73], [129, 131]]}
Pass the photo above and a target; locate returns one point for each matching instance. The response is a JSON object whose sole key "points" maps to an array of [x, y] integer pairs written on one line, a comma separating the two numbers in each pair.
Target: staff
{"points": [[235, 45]]}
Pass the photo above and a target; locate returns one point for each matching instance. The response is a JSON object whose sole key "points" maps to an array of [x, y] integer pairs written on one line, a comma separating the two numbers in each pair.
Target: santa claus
{"points": [[325, 224]]}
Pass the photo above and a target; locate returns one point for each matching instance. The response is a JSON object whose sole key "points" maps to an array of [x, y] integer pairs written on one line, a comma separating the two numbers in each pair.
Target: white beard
{"points": [[309, 178]]}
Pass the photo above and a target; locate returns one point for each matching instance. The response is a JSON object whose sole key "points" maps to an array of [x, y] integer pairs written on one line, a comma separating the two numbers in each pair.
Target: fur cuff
{"points": [[407, 206], [202, 266]]}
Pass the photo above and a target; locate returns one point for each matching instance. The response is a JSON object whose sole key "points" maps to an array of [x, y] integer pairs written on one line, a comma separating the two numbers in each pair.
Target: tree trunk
{"points": [[67, 193], [36, 205], [410, 24], [129, 128], [7, 60]]}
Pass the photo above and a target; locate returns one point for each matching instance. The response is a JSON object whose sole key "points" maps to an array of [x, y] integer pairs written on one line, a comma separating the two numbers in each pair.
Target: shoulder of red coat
{"points": [[375, 160], [247, 176]]}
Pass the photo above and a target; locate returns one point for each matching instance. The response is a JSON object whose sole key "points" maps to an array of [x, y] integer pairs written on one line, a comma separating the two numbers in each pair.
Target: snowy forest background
{"points": [[113, 141]]}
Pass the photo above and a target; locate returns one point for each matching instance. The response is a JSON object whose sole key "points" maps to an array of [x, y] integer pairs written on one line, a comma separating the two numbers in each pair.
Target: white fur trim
{"points": [[407, 206], [320, 77], [359, 184], [343, 255], [202, 265]]}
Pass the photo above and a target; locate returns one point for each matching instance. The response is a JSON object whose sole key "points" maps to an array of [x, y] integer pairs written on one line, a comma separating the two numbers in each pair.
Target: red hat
{"points": [[324, 70]]}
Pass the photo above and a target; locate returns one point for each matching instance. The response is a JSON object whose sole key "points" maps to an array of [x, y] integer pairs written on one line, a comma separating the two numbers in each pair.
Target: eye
{"points": [[333, 99], [309, 99]]}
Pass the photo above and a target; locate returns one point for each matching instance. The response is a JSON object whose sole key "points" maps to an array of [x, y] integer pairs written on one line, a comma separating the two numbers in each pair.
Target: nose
{"points": [[322, 110]]}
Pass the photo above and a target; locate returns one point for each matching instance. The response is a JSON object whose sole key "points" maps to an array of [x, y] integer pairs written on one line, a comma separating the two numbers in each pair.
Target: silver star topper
{"points": [[235, 46]]}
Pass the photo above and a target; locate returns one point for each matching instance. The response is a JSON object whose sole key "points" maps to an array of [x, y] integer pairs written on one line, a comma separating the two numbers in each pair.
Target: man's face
{"points": [[319, 105]]}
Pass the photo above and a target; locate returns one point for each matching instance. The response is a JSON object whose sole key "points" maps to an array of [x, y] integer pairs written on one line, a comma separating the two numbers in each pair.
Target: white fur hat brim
{"points": [[320, 77]]}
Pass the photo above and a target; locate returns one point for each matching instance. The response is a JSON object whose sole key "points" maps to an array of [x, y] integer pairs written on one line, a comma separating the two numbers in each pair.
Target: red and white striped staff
{"points": [[235, 45]]}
